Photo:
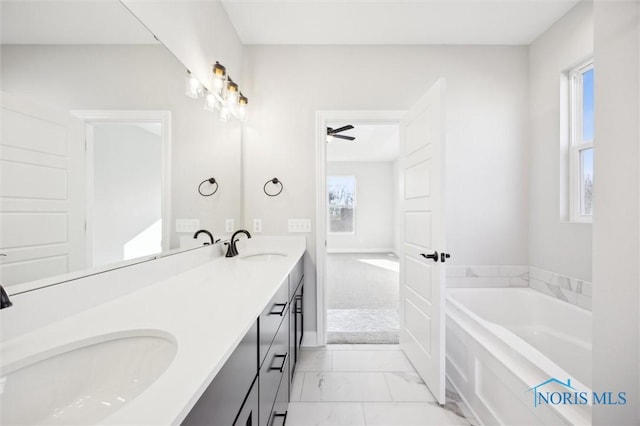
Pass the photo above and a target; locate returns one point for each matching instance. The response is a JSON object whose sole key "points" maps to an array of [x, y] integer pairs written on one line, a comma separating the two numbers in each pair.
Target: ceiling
{"points": [[387, 22], [492, 22], [70, 22], [374, 142]]}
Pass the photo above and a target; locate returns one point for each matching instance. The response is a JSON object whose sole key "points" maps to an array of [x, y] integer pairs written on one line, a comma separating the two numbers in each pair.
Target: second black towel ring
{"points": [[274, 181], [212, 181]]}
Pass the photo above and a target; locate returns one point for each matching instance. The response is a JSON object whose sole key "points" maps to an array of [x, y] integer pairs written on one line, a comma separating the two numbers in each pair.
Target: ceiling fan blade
{"points": [[349, 138], [341, 129]]}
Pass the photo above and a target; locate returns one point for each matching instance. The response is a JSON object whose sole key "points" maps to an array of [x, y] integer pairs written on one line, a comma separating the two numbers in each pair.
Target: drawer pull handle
{"points": [[283, 415], [280, 312], [284, 362]]}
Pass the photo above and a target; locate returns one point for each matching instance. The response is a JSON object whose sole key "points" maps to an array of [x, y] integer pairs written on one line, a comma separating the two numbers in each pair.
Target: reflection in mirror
{"points": [[101, 151]]}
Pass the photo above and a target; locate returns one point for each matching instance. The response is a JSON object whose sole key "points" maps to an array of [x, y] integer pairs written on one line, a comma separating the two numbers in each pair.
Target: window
{"points": [[342, 203], [581, 133]]}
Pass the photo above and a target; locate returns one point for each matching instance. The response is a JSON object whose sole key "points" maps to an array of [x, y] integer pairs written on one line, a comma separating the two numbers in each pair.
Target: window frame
{"points": [[576, 142], [355, 204]]}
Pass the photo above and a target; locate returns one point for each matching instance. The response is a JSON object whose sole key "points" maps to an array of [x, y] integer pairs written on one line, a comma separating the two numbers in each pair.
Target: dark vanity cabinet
{"points": [[253, 387], [234, 390]]}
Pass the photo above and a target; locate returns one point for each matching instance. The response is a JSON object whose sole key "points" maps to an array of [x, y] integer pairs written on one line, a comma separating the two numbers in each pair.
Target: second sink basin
{"points": [[85, 383], [263, 257]]}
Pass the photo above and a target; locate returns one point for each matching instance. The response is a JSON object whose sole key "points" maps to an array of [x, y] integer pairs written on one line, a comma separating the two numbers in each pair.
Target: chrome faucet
{"points": [[232, 249], [4, 299], [204, 231]]}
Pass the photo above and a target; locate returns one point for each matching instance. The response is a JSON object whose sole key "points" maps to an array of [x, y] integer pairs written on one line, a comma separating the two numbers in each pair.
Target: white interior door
{"points": [[40, 228], [422, 279]]}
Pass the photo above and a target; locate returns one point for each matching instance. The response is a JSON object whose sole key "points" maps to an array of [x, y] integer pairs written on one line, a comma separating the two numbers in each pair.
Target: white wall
{"points": [[374, 207], [616, 227], [554, 243], [140, 78], [127, 188], [487, 107]]}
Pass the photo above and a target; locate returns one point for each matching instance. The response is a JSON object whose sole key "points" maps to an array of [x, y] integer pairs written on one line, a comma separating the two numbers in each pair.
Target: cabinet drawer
{"points": [[273, 369], [271, 318], [281, 405], [295, 277]]}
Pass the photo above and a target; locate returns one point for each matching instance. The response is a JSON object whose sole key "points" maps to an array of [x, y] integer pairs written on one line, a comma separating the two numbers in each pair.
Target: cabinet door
{"points": [[248, 415], [293, 355], [299, 319]]}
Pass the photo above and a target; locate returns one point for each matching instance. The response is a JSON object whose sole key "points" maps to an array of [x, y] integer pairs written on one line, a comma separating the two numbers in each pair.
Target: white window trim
{"points": [[576, 144], [355, 206]]}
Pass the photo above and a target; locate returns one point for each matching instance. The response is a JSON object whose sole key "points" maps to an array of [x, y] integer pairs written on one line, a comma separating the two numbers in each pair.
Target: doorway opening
{"points": [[126, 188], [358, 260]]}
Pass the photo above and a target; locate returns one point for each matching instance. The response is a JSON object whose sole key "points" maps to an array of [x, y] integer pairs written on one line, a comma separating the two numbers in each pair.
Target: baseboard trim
{"points": [[310, 339], [357, 250]]}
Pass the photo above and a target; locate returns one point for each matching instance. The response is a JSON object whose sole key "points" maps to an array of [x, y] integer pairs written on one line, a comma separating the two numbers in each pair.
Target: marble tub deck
{"points": [[366, 385]]}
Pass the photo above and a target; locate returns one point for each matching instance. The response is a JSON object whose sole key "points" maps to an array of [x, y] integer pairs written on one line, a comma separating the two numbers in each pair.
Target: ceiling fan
{"points": [[333, 133]]}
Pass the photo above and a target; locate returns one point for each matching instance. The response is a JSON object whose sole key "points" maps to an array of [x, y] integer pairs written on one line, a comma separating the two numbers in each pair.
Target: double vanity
{"points": [[215, 343]]}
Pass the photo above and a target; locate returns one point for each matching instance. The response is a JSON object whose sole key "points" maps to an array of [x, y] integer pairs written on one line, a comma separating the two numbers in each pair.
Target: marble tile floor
{"points": [[339, 385]]}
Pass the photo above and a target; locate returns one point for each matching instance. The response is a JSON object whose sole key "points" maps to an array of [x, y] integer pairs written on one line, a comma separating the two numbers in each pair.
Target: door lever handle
{"points": [[433, 256]]}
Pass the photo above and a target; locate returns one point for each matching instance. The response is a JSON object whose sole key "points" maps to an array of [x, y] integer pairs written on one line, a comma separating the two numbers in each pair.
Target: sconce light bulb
{"points": [[218, 84], [224, 114], [193, 88], [210, 102], [242, 112]]}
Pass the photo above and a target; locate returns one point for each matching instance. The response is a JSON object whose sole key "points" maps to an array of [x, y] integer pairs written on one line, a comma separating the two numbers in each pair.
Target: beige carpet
{"points": [[362, 298]]}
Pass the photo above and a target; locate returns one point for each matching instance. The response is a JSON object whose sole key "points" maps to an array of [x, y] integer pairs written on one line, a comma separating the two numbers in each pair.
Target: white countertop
{"points": [[207, 310]]}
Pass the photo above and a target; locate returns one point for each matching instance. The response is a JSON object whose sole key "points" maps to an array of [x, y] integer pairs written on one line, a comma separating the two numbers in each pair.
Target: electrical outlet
{"points": [[299, 225], [187, 225], [229, 225], [257, 225]]}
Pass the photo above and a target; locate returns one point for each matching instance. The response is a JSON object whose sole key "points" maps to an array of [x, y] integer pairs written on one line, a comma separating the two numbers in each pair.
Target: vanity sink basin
{"points": [[263, 257], [82, 383]]}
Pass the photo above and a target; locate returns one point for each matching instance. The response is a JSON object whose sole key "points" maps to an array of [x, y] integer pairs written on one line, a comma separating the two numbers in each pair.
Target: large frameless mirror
{"points": [[101, 152]]}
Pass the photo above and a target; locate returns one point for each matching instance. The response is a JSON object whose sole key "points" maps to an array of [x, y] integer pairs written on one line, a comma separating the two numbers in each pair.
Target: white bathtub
{"points": [[503, 341]]}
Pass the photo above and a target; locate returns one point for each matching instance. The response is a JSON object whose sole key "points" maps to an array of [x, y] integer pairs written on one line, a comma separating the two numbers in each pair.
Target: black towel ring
{"points": [[212, 181], [274, 181]]}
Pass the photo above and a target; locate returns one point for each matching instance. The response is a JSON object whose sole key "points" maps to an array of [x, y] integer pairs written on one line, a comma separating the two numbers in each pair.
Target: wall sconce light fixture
{"points": [[224, 95]]}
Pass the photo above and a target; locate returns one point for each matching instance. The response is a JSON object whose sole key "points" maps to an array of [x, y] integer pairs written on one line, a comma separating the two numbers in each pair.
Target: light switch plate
{"points": [[257, 225], [187, 225], [229, 225], [299, 225]]}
